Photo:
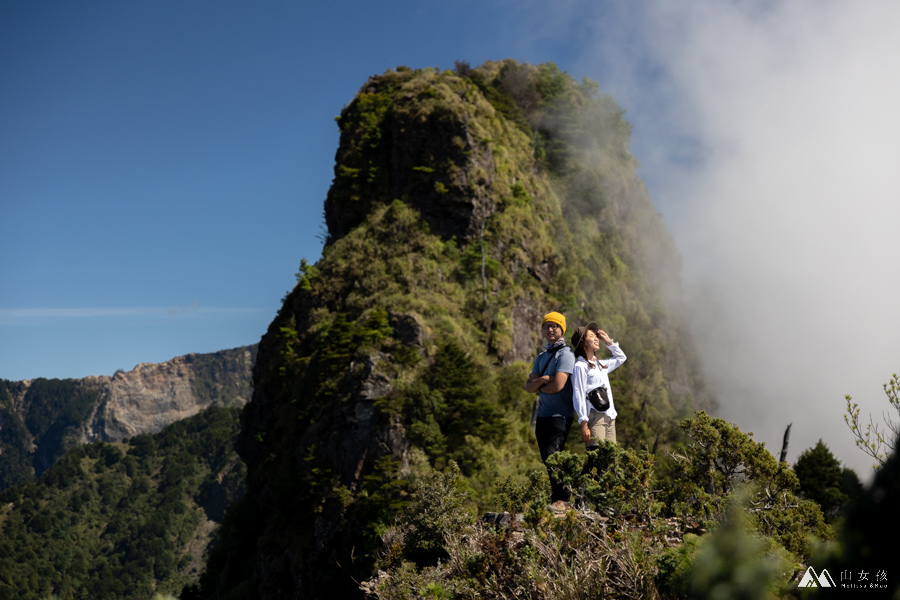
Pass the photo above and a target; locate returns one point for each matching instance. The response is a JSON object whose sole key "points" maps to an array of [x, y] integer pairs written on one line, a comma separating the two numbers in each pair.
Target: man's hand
{"points": [[535, 381], [585, 432]]}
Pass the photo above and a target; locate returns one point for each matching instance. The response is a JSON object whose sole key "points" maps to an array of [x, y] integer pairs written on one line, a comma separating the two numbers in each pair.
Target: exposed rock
{"points": [[151, 396], [503, 520], [525, 335], [408, 159], [407, 329], [457, 205], [356, 434], [43, 418], [370, 383]]}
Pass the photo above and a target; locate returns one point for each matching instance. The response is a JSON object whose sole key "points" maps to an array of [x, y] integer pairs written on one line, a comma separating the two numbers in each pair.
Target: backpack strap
{"points": [[550, 357]]}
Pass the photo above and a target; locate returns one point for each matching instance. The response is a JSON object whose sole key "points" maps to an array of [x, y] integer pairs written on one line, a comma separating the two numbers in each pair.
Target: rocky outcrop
{"points": [[42, 418], [424, 151], [151, 396]]}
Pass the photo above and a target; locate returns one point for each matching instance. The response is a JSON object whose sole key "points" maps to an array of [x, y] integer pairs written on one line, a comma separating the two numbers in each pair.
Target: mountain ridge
{"points": [[42, 418]]}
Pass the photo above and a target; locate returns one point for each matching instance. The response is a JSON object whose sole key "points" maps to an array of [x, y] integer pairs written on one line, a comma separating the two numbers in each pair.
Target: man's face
{"points": [[552, 332]]}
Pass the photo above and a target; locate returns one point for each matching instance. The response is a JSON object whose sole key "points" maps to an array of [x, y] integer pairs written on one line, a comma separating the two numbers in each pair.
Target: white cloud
{"points": [[769, 135], [789, 227]]}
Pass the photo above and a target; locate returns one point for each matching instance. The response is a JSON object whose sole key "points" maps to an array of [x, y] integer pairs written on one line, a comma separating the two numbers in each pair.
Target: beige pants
{"points": [[602, 428]]}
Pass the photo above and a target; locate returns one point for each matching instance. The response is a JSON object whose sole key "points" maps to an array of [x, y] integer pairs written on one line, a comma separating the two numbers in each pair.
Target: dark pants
{"points": [[551, 433]]}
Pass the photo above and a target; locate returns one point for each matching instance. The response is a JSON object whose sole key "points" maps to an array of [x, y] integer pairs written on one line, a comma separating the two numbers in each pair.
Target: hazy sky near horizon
{"points": [[163, 167]]}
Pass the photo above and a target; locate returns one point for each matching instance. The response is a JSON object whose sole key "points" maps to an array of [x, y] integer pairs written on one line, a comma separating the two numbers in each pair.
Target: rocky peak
{"points": [[419, 144], [464, 205]]}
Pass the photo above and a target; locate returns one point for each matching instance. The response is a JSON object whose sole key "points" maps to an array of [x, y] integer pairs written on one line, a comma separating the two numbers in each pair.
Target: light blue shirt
{"points": [[560, 403]]}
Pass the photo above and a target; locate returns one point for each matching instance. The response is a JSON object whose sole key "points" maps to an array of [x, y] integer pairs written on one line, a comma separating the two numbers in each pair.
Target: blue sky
{"points": [[163, 167], [163, 164]]}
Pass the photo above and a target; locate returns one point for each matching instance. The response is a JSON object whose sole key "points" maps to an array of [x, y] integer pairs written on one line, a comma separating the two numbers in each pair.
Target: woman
{"points": [[591, 391]]}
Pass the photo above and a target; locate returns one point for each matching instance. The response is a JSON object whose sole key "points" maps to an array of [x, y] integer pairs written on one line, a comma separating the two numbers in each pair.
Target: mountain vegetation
{"points": [[31, 442], [42, 418], [824, 480], [880, 441], [730, 522], [623, 542], [120, 521], [465, 205]]}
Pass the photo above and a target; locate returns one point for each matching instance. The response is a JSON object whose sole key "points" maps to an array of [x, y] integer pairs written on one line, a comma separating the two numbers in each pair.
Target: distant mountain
{"points": [[465, 205], [122, 521], [42, 418]]}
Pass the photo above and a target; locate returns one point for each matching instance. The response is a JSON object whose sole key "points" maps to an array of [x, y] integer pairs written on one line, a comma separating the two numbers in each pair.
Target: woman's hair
{"points": [[579, 352]]}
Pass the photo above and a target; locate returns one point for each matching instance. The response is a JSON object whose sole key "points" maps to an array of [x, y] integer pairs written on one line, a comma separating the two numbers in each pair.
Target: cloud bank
{"points": [[769, 136]]}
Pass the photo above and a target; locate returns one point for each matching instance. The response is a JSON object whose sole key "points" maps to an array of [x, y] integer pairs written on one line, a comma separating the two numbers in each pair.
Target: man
{"points": [[550, 377]]}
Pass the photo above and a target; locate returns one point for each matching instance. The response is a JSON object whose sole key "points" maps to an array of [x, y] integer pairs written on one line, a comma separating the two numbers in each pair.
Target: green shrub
{"points": [[735, 562], [611, 480], [721, 457], [436, 510]]}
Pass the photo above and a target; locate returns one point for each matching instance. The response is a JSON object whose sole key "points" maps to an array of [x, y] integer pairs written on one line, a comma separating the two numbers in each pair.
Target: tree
{"points": [[877, 441], [823, 480], [732, 561], [721, 458], [869, 533]]}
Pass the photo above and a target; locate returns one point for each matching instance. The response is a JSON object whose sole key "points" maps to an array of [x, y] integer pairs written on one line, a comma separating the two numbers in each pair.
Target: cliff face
{"points": [[465, 205], [40, 419], [151, 396]]}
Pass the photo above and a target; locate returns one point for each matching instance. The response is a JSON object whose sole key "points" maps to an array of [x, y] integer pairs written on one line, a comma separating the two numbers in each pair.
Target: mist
{"points": [[768, 135]]}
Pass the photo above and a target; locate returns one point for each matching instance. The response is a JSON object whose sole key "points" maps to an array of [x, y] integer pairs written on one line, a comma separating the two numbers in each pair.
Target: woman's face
{"points": [[591, 340]]}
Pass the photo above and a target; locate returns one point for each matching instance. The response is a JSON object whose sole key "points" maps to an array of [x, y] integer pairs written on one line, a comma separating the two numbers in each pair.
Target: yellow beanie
{"points": [[555, 317]]}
